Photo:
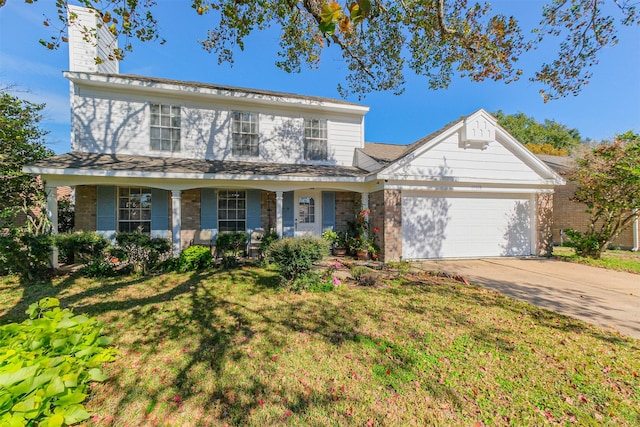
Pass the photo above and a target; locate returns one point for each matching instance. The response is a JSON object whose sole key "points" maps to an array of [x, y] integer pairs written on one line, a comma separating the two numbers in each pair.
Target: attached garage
{"points": [[461, 225], [469, 190]]}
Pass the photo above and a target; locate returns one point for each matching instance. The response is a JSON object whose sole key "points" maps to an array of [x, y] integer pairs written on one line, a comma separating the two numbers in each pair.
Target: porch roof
{"points": [[115, 164]]}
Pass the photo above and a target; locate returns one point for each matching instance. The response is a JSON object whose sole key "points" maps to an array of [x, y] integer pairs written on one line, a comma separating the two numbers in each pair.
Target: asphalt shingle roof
{"points": [[118, 162]]}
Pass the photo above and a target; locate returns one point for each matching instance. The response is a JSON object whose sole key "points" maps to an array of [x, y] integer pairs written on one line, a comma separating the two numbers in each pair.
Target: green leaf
{"points": [[55, 387], [75, 414], [22, 374], [96, 374], [71, 398], [327, 28], [55, 420]]}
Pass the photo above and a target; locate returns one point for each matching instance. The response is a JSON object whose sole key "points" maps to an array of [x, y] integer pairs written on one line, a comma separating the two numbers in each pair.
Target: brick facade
{"points": [[85, 207], [386, 215], [190, 216], [348, 204], [544, 224], [570, 214]]}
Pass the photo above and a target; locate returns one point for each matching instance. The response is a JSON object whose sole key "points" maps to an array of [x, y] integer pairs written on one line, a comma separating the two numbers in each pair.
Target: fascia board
{"points": [[176, 175]]}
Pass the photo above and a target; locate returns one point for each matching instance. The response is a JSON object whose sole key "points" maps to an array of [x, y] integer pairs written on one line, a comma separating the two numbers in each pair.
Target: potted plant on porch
{"points": [[338, 241]]}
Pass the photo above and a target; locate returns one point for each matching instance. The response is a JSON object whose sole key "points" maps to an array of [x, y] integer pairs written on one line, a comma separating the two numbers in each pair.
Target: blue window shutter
{"points": [[287, 214], [106, 211], [209, 210], [254, 218], [328, 210], [159, 213]]}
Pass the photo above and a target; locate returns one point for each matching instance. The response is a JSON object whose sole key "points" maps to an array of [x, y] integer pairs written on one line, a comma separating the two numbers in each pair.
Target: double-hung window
{"points": [[315, 139], [232, 210], [245, 134], [134, 209], [165, 127]]}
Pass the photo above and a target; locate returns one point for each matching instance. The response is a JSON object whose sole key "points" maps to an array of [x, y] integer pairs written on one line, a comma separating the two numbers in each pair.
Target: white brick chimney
{"points": [[82, 53]]}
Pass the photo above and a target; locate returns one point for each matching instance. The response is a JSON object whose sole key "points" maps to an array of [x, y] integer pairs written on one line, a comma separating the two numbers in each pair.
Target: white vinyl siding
{"points": [[114, 122], [448, 225]]}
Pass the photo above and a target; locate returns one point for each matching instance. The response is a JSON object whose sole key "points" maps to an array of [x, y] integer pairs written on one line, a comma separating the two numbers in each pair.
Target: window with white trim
{"points": [[134, 209], [245, 137], [315, 139], [165, 127], [306, 210], [232, 211]]}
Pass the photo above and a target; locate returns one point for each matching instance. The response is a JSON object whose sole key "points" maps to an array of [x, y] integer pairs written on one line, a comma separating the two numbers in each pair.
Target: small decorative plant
{"points": [[364, 237]]}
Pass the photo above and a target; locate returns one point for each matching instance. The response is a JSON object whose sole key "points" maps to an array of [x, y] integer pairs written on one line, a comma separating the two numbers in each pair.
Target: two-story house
{"points": [[183, 160]]}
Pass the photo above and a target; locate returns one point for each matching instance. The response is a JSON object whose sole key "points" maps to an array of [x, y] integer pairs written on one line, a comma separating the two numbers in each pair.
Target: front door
{"points": [[308, 220]]}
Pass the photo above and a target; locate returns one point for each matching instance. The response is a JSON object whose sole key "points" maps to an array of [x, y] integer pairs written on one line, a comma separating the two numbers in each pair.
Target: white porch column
{"points": [[176, 221], [52, 215], [279, 226], [365, 201]]}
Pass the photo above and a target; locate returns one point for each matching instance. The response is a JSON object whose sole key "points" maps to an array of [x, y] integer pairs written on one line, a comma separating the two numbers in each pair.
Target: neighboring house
{"points": [[189, 160], [568, 214]]}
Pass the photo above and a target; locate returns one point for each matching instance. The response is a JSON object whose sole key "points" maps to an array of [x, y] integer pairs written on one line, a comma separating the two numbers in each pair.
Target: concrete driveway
{"points": [[602, 297]]}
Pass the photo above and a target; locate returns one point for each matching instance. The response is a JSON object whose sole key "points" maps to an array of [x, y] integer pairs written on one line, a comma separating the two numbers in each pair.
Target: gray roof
{"points": [[212, 86], [118, 162], [389, 153], [558, 163], [383, 153]]}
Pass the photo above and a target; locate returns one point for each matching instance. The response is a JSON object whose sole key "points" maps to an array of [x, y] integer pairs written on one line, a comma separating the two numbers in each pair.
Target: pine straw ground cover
{"points": [[228, 348]]}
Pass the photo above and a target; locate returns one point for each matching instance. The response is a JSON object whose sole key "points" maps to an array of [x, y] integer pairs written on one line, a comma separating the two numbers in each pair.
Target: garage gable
{"points": [[473, 150]]}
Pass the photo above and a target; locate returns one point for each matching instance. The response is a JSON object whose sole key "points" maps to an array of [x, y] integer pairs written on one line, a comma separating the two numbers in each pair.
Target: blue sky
{"points": [[610, 104]]}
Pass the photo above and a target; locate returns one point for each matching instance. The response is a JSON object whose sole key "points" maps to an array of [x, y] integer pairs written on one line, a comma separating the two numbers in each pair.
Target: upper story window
{"points": [[165, 127], [315, 139], [245, 134], [134, 209]]}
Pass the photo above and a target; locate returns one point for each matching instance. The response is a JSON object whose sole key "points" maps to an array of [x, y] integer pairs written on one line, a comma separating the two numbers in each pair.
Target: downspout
{"points": [[636, 244]]}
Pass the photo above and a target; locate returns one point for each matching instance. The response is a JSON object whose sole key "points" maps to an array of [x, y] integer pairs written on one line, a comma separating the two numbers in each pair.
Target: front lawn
{"points": [[613, 260], [227, 347]]}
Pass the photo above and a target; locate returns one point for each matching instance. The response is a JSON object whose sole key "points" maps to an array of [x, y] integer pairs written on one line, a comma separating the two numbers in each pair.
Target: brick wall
{"points": [[190, 216], [386, 215], [570, 214], [268, 210], [85, 205], [348, 205], [544, 223]]}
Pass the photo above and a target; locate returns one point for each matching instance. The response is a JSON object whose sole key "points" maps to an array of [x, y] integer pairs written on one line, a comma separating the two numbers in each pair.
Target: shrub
{"points": [[267, 240], [99, 267], [83, 246], [586, 245], [364, 276], [47, 363], [143, 252], [25, 254], [230, 244], [294, 256], [194, 258]]}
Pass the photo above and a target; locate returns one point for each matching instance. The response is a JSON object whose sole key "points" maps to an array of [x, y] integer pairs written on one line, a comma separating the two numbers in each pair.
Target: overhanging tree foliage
{"points": [[549, 137], [21, 142], [380, 39], [608, 183]]}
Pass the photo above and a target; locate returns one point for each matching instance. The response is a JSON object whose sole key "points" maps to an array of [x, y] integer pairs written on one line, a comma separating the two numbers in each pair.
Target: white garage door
{"points": [[437, 225]]}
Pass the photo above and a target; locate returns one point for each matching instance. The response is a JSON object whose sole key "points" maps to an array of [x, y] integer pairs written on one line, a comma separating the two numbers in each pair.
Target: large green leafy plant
{"points": [[46, 364]]}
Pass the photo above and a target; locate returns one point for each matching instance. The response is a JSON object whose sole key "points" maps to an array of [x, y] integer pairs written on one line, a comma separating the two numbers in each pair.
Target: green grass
{"points": [[227, 347], [613, 260]]}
